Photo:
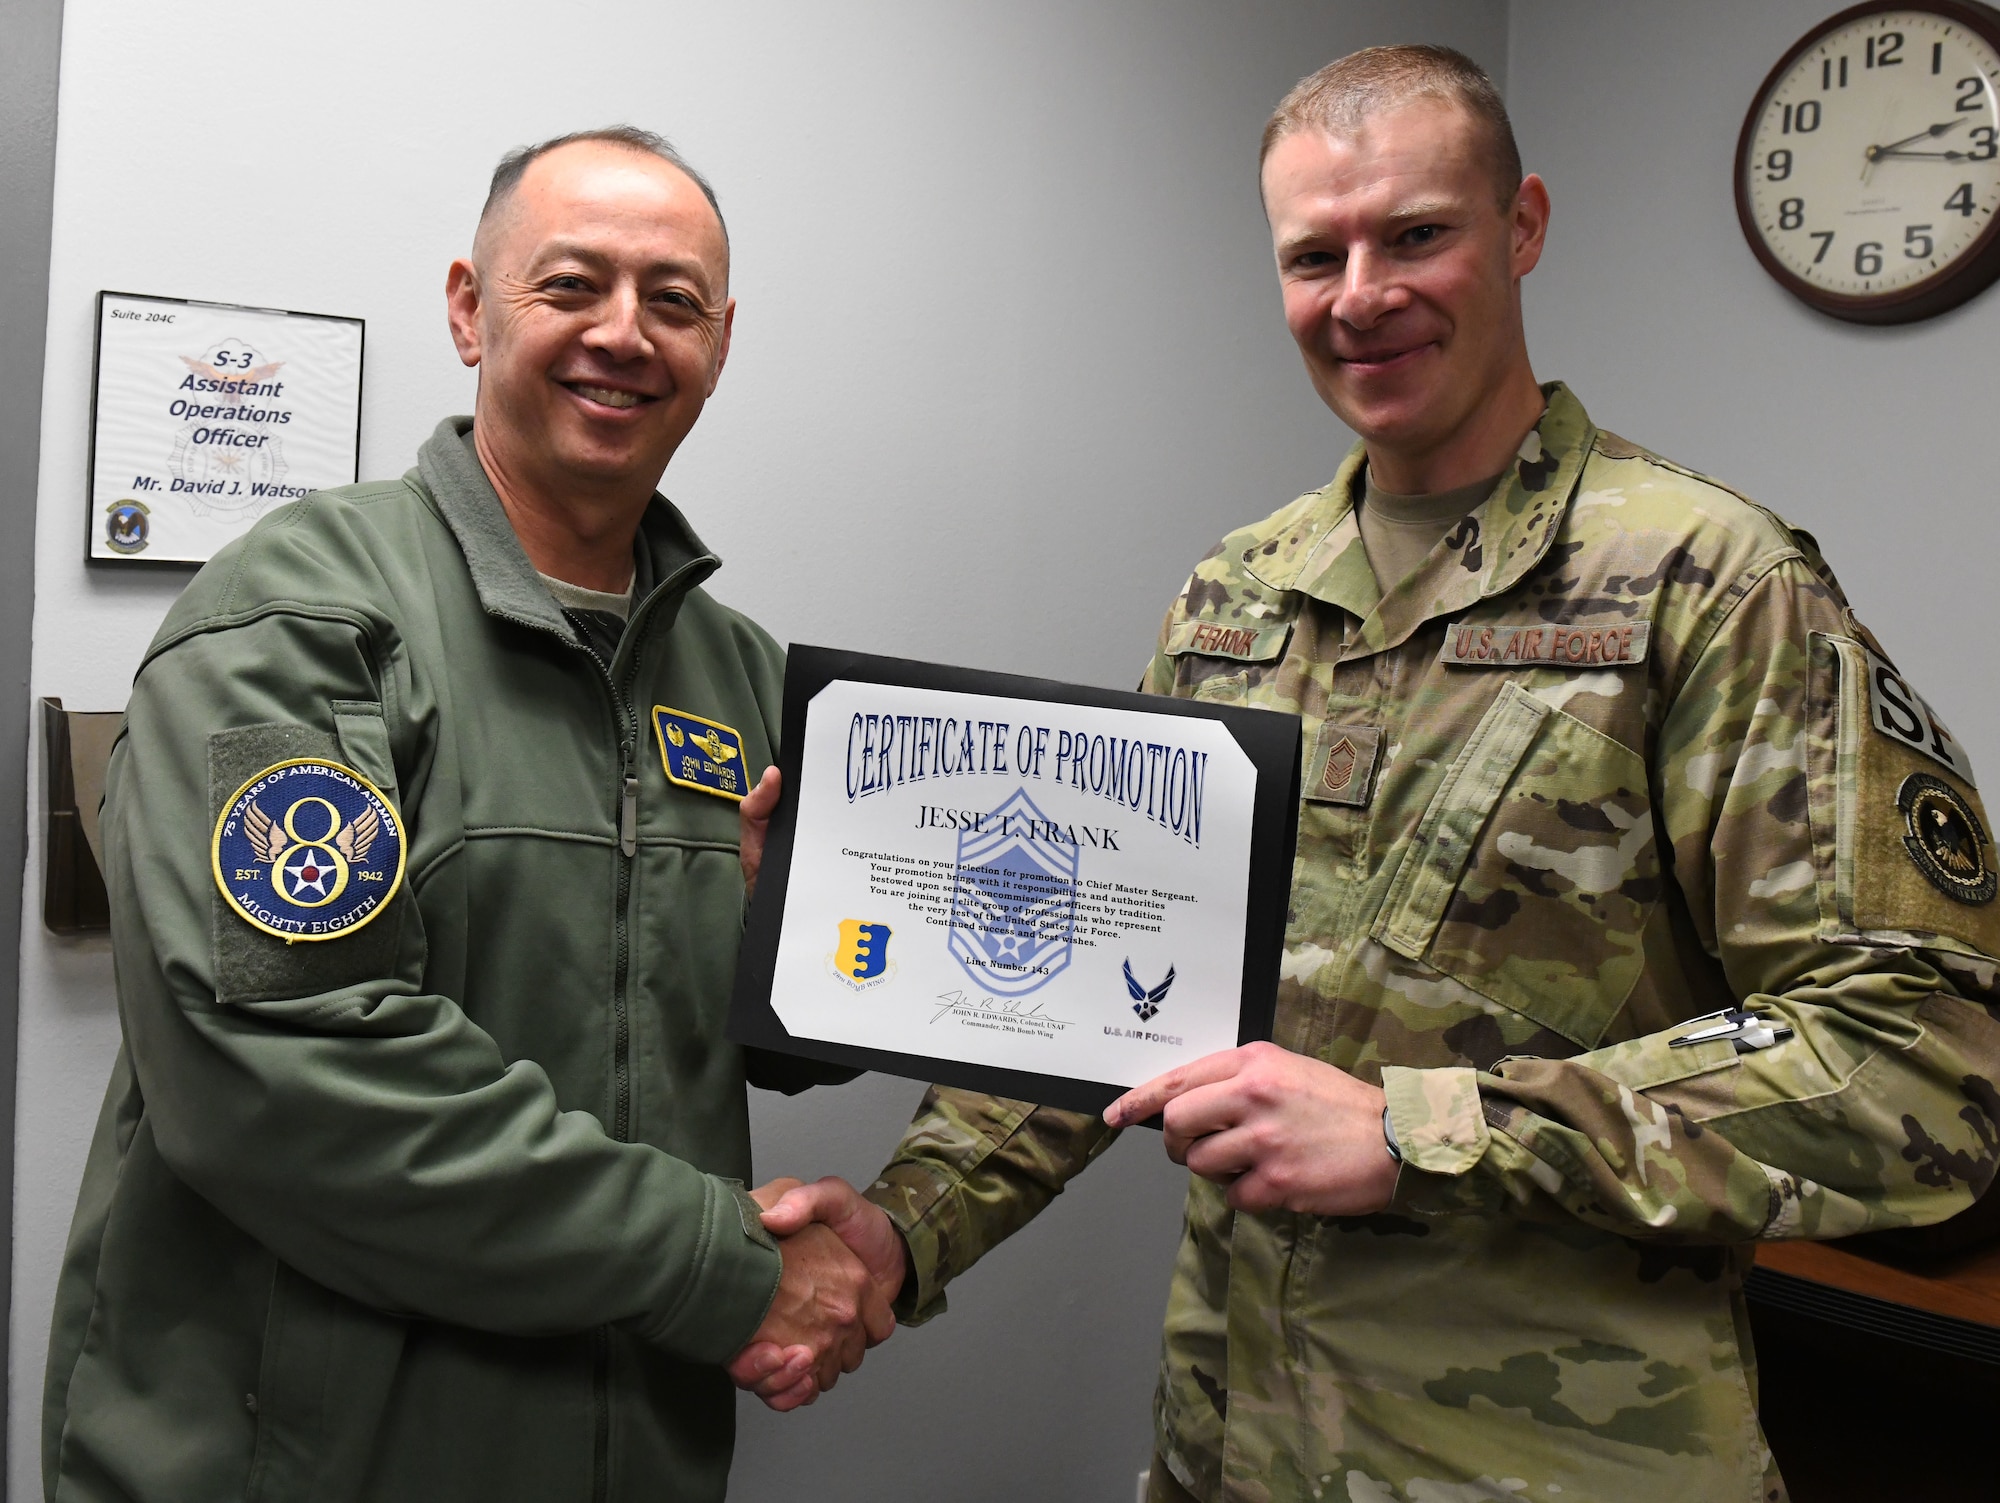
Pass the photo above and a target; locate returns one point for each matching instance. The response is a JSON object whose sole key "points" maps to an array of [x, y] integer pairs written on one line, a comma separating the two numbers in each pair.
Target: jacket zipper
{"points": [[630, 735]]}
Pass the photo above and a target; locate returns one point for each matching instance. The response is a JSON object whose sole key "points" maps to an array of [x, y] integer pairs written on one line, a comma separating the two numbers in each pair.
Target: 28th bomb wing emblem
{"points": [[308, 849]]}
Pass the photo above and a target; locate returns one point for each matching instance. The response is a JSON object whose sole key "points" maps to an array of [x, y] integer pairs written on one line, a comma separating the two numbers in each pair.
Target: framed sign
{"points": [[1014, 885], [204, 416]]}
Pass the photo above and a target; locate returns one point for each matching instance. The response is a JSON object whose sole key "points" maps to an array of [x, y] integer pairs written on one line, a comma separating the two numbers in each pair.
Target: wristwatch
{"points": [[1389, 1137]]}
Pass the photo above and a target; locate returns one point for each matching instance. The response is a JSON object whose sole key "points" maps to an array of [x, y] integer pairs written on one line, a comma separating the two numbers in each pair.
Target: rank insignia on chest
{"points": [[1342, 770], [308, 850], [701, 754]]}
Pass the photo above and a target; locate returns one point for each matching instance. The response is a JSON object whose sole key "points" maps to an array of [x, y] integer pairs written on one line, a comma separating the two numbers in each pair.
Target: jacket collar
{"points": [[1505, 536], [673, 559]]}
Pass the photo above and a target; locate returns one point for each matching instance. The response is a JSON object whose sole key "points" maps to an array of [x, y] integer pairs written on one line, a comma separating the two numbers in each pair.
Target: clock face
{"points": [[1869, 169]]}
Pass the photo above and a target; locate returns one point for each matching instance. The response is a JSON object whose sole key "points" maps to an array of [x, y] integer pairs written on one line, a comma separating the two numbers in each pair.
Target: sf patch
{"points": [[308, 849], [701, 754], [1945, 838]]}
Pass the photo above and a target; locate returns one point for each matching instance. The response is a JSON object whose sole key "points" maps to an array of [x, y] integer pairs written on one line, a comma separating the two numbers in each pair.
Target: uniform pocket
{"points": [[1534, 869]]}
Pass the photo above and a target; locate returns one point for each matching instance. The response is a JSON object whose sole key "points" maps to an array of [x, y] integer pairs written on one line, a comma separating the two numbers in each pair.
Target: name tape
{"points": [[1252, 644], [1555, 646]]}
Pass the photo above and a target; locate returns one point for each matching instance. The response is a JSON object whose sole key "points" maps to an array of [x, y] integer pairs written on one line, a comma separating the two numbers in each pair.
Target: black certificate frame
{"points": [[1270, 739], [139, 561]]}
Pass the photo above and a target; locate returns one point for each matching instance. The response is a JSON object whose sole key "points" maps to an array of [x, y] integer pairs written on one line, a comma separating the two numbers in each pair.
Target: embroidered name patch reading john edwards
{"points": [[1556, 646], [308, 849], [703, 754]]}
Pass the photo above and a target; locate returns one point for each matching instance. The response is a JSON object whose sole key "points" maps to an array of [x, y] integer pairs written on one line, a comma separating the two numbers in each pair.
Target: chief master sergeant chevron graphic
{"points": [[1013, 905]]}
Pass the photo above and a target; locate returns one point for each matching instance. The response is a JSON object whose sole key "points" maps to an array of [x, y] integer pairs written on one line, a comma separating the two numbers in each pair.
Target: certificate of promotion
{"points": [[1036, 889], [204, 416]]}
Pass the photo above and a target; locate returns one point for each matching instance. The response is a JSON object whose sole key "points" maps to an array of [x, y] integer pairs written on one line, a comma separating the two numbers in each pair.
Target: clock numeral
{"points": [[1886, 51], [1791, 213], [1988, 142], [1825, 239], [1868, 258], [1826, 71], [1937, 57], [1917, 242], [1778, 165], [1971, 93], [1802, 117], [1961, 200]]}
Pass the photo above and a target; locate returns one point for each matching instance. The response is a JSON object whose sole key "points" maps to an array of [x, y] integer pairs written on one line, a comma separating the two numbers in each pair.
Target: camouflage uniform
{"points": [[1521, 873]]}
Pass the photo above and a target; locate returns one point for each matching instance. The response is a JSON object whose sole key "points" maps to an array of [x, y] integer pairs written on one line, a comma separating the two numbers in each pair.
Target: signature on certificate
{"points": [[978, 1006]]}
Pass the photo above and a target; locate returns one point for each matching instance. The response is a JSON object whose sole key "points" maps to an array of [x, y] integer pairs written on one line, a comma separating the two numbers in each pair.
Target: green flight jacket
{"points": [[1615, 757], [448, 1207]]}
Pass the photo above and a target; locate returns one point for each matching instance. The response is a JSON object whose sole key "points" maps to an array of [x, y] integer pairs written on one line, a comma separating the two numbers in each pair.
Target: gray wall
{"points": [[27, 169], [1650, 304], [1008, 358]]}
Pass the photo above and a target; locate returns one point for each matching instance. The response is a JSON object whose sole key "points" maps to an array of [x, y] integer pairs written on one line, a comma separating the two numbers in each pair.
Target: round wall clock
{"points": [[1868, 170]]}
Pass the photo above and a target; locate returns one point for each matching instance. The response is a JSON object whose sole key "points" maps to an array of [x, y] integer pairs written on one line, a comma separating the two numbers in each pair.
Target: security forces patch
{"points": [[1945, 839], [703, 754], [308, 849]]}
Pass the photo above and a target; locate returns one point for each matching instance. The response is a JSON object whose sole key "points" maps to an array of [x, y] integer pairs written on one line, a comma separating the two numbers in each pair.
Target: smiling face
{"points": [[1401, 280], [596, 306]]}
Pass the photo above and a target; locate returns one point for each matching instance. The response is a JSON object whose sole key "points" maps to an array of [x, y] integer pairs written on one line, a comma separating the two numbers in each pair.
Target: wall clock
{"points": [[1868, 170]]}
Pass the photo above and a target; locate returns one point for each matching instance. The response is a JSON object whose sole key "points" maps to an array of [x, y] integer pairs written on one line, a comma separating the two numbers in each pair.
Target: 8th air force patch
{"points": [[701, 754], [308, 849]]}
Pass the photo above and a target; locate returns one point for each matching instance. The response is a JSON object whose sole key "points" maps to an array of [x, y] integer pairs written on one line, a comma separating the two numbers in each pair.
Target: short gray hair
{"points": [[507, 176]]}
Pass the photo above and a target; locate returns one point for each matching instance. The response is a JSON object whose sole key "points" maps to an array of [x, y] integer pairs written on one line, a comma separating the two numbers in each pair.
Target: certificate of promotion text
{"points": [[1009, 884]]}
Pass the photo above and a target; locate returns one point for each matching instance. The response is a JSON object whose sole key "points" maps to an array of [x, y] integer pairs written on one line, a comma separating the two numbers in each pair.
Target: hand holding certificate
{"points": [[1014, 885]]}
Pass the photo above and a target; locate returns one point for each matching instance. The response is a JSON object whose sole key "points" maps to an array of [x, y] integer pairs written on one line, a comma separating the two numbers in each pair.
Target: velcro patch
{"points": [[1467, 646], [1250, 644], [701, 754], [1899, 712], [1946, 840], [1342, 769], [308, 850]]}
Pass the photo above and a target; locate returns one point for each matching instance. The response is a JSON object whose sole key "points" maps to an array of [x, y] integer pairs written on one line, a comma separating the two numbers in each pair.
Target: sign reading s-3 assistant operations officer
{"points": [[1014, 885], [204, 416]]}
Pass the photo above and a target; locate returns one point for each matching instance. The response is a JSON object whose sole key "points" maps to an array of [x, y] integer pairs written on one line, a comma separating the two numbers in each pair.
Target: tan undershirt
{"points": [[576, 598], [1399, 532]]}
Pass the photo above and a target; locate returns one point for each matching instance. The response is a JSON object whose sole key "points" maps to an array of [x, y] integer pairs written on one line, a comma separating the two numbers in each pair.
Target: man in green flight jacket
{"points": [[419, 1173]]}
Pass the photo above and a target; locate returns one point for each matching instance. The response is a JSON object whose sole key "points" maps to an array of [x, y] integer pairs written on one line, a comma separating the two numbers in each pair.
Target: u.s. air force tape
{"points": [[308, 849]]}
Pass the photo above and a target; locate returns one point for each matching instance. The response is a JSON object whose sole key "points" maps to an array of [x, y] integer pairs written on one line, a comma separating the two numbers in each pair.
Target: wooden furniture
{"points": [[1879, 1380]]}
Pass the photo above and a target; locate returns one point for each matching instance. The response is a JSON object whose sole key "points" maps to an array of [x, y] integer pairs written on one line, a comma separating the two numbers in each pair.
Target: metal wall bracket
{"points": [[76, 748]]}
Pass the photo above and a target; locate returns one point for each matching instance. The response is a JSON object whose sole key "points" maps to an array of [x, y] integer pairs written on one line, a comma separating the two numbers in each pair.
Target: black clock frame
{"points": [[1975, 270]]}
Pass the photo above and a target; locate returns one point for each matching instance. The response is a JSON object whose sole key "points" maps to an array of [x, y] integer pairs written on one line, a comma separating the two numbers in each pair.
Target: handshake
{"points": [[844, 1264]]}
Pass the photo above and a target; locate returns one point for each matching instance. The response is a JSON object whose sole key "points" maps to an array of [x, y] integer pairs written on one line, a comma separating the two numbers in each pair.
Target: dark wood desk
{"points": [[1879, 1381]]}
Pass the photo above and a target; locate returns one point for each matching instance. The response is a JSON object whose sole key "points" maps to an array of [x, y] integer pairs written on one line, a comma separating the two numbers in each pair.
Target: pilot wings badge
{"points": [[308, 849]]}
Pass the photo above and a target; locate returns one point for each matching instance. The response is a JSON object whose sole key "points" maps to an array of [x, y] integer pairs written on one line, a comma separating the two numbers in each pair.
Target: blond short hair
{"points": [[1348, 90]]}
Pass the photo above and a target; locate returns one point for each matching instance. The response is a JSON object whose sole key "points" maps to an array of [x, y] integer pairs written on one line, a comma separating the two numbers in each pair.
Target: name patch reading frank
{"points": [[1555, 646], [308, 849], [1251, 644]]}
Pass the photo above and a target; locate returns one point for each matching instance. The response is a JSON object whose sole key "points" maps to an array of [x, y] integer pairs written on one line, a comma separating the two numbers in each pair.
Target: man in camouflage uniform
{"points": [[1612, 757]]}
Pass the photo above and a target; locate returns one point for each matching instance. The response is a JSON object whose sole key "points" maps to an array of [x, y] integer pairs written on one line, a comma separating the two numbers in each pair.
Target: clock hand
{"points": [[1936, 130], [1937, 156]]}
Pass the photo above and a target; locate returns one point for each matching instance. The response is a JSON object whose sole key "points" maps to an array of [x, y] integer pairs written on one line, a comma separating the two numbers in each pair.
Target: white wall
{"points": [[1651, 305], [1008, 359]]}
